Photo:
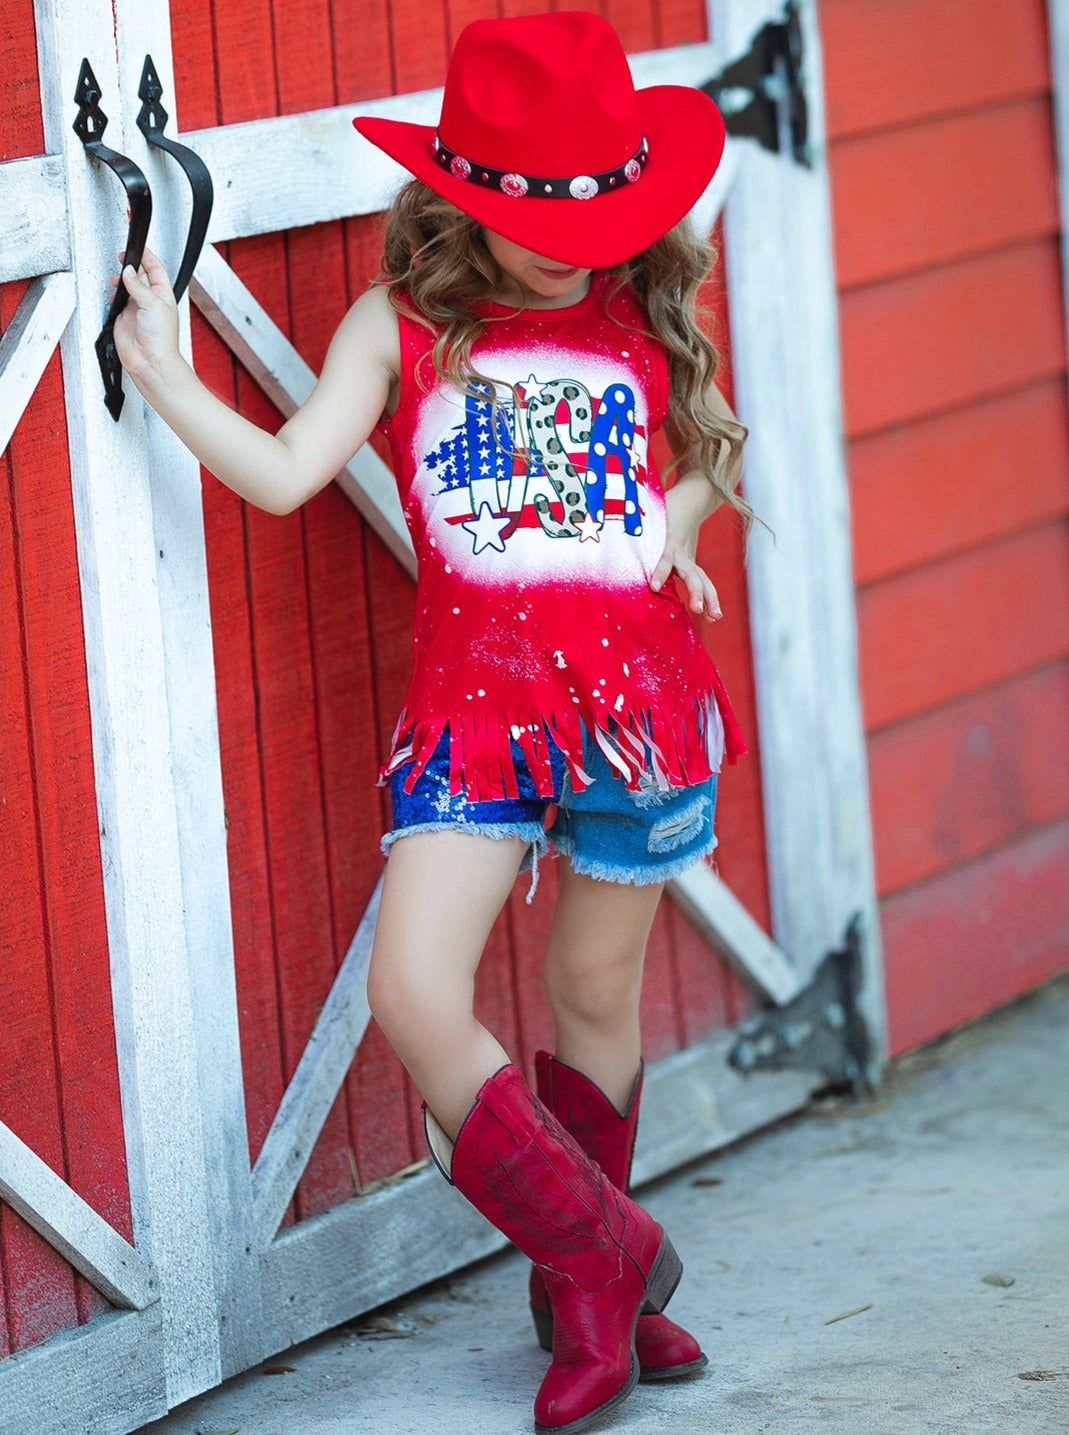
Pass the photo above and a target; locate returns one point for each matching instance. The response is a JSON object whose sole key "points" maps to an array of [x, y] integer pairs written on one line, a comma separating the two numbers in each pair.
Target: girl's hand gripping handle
{"points": [[146, 332]]}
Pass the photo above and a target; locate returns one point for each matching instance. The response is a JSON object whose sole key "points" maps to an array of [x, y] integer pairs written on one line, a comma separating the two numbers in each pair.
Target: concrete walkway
{"points": [[892, 1268]]}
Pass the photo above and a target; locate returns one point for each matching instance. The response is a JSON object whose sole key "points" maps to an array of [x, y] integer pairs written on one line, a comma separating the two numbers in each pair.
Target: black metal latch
{"points": [[822, 1029], [762, 94]]}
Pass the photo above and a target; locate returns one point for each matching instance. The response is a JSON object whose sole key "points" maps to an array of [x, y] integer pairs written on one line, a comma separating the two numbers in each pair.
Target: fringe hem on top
{"points": [[649, 748]]}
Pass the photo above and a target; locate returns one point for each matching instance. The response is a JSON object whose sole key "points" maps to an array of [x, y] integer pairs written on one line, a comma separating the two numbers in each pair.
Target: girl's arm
{"points": [[277, 472], [688, 503]]}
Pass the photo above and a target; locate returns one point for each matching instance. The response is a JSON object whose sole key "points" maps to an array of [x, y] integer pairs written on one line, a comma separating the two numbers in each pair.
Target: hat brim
{"points": [[685, 133]]}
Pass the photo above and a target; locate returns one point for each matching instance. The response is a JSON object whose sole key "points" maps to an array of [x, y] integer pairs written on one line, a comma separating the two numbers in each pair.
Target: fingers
{"points": [[151, 274], [702, 598], [661, 572]]}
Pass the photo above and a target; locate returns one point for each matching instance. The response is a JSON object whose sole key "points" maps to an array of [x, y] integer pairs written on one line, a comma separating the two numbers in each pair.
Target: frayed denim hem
{"points": [[653, 796], [644, 876], [533, 833]]}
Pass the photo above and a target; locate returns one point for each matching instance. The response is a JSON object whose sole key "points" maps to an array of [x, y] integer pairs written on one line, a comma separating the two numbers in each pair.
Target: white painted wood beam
{"points": [[78, 1233], [316, 1082], [27, 344], [785, 359], [34, 228], [202, 1234], [745, 946], [95, 1379], [260, 345], [136, 492]]}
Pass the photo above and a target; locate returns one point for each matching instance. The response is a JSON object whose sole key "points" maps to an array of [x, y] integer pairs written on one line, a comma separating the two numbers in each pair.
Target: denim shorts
{"points": [[606, 831]]}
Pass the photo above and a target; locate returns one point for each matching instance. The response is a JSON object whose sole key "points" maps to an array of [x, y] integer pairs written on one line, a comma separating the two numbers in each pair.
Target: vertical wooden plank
{"points": [[20, 95], [215, 1298], [391, 608], [290, 758], [380, 1099], [363, 59], [72, 895], [40, 1296], [420, 47], [304, 60], [315, 264], [26, 1262], [635, 22], [193, 48], [244, 76], [250, 897], [459, 13], [682, 22], [801, 591]]}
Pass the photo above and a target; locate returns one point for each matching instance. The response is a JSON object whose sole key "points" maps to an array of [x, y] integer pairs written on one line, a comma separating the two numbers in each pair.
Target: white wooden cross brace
{"points": [[34, 228], [316, 1082], [79, 1234], [28, 342]]}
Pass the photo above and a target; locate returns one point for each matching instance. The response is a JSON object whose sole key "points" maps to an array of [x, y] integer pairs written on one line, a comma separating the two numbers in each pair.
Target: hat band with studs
{"points": [[518, 186]]}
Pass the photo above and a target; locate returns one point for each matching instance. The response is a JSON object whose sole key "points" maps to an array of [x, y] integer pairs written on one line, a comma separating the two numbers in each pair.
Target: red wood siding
{"points": [[58, 1075], [944, 192], [313, 619]]}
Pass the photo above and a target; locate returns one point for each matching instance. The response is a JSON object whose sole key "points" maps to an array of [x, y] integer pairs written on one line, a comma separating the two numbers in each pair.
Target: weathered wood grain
{"points": [[79, 1235], [942, 190], [932, 341], [937, 486], [1007, 910], [937, 633], [890, 62], [34, 235], [951, 784]]}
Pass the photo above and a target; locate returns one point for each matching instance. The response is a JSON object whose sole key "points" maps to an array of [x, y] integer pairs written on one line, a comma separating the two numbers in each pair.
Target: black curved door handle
{"points": [[152, 121], [89, 127]]}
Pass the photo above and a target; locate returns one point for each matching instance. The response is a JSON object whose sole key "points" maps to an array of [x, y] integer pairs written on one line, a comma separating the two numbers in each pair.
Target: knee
{"points": [[602, 999], [408, 1004]]}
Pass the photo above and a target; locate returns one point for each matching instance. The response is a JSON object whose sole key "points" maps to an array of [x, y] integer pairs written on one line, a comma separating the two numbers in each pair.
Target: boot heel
{"points": [[543, 1325], [664, 1277]]}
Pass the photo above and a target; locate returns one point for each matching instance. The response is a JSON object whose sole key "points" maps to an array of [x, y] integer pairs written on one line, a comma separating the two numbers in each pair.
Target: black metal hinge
{"points": [[822, 1029], [762, 94]]}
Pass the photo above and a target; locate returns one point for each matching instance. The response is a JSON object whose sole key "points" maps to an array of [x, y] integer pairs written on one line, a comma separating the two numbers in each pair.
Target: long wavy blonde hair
{"points": [[437, 267]]}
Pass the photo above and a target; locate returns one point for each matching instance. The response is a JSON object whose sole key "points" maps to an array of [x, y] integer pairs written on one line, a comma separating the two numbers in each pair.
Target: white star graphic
{"points": [[486, 529], [589, 527]]}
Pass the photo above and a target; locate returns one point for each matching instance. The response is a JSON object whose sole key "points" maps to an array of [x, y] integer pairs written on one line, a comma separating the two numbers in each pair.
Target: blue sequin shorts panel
{"points": [[606, 831]]}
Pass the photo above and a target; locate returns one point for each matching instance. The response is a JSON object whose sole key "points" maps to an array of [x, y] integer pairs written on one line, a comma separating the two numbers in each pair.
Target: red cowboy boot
{"points": [[602, 1258], [665, 1350]]}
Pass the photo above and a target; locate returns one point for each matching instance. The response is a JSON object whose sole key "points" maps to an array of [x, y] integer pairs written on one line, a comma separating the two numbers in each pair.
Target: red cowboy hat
{"points": [[544, 139]]}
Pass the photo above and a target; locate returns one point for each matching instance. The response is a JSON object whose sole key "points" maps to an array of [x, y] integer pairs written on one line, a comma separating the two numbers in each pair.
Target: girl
{"points": [[532, 327]]}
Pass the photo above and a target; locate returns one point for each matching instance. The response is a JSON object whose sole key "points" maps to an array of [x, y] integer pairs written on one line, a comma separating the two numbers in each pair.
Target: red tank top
{"points": [[537, 523]]}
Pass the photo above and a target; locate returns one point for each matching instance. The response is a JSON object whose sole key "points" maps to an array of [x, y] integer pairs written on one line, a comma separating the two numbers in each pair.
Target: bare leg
{"points": [[593, 977], [442, 893]]}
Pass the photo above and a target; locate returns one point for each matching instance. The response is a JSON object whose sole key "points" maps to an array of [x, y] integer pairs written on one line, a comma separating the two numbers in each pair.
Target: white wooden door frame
{"points": [[194, 1314], [232, 1287]]}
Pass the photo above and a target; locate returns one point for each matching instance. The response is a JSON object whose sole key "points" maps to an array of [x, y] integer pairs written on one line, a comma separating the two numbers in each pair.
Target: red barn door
{"points": [[240, 676]]}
